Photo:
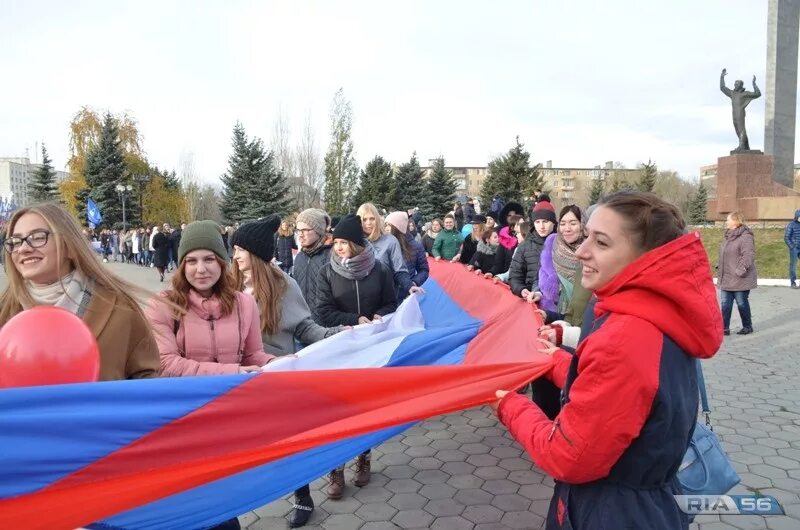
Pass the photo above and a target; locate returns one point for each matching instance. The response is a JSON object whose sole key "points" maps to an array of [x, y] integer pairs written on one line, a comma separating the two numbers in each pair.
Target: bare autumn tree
{"points": [[192, 187], [310, 178]]}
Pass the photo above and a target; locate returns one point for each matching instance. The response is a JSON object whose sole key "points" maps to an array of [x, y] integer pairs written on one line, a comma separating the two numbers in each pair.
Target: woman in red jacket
{"points": [[629, 393]]}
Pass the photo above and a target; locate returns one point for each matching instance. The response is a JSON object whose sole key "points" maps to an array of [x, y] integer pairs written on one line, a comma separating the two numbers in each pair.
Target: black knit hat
{"points": [[479, 220], [258, 237], [349, 228]]}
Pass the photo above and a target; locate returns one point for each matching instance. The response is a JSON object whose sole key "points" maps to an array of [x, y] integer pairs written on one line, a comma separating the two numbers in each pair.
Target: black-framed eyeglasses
{"points": [[303, 231], [36, 239]]}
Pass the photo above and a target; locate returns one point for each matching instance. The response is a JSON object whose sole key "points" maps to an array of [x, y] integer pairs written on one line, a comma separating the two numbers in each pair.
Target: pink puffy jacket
{"points": [[208, 343]]}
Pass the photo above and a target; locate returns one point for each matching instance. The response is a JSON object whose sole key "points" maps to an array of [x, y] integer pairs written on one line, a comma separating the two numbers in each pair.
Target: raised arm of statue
{"points": [[756, 93], [725, 90]]}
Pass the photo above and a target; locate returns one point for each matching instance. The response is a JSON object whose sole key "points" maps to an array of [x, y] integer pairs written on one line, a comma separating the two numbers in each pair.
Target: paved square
{"points": [[464, 471]]}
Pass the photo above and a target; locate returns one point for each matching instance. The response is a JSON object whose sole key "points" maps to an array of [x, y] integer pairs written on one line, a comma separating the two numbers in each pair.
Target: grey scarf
{"points": [[357, 267], [485, 248]]}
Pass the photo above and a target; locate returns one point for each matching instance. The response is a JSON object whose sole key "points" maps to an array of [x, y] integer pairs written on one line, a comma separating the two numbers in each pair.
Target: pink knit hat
{"points": [[398, 220]]}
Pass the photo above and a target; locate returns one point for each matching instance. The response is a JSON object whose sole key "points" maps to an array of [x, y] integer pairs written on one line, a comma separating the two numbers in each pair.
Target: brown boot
{"points": [[336, 484], [362, 470]]}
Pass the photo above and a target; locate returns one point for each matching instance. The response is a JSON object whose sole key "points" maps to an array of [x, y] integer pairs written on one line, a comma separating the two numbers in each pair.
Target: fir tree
{"points": [[270, 195], [409, 185], [511, 176], [620, 184], [440, 190], [240, 177], [377, 184], [341, 169], [105, 168], [649, 176], [43, 187], [698, 206], [597, 190], [252, 187]]}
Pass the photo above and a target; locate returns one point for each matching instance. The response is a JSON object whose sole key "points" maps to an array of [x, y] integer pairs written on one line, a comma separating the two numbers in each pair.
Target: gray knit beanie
{"points": [[317, 219], [202, 235]]}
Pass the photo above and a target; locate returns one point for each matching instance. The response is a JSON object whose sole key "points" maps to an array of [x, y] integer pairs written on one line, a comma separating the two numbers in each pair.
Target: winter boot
{"points": [[336, 484], [362, 470], [303, 508]]}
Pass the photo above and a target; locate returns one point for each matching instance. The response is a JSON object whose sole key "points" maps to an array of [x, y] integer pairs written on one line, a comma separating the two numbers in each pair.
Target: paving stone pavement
{"points": [[464, 471]]}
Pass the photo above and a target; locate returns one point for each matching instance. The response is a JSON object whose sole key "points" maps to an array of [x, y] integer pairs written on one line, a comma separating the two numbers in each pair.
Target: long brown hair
{"points": [[269, 288], [224, 289], [69, 240], [405, 246]]}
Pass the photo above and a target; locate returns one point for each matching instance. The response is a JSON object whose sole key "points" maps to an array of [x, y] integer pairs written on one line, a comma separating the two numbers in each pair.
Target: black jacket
{"points": [[524, 271], [175, 241], [162, 246], [483, 262], [502, 260], [306, 274], [468, 249], [427, 242], [342, 301], [283, 251]]}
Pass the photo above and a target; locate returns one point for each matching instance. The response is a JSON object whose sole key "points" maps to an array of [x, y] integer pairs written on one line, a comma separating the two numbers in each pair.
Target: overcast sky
{"points": [[580, 82]]}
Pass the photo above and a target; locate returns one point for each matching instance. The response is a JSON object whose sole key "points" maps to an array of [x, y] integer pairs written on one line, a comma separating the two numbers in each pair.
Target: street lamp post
{"points": [[123, 192]]}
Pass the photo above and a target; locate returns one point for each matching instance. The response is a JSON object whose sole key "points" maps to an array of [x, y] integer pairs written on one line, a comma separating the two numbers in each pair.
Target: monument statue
{"points": [[740, 98]]}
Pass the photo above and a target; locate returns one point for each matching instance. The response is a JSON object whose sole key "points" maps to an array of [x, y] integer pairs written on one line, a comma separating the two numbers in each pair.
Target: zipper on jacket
{"points": [[358, 298], [557, 425], [213, 337]]}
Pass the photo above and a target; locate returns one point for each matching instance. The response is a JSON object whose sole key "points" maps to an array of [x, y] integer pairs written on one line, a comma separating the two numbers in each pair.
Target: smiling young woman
{"points": [[206, 327], [48, 262], [630, 395]]}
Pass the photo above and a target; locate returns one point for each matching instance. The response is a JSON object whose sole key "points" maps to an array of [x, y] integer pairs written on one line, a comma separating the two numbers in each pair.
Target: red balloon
{"points": [[47, 345]]}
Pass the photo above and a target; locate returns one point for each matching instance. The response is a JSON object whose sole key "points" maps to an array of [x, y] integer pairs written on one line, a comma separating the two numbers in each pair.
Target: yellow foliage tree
{"points": [[84, 133], [162, 205]]}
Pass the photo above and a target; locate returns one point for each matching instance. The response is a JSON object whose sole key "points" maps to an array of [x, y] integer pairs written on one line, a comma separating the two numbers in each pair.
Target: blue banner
{"points": [[93, 215]]}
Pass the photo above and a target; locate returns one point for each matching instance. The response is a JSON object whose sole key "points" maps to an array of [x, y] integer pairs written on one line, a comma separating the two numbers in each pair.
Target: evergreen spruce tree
{"points": [[341, 169], [649, 176], [698, 206], [511, 176], [270, 195], [253, 187], [377, 184], [105, 168], [240, 178], [409, 185], [620, 184], [440, 190], [43, 187], [596, 191]]}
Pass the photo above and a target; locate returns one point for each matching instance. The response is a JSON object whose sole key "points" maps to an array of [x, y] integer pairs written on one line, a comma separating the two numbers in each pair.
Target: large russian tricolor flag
{"points": [[188, 453]]}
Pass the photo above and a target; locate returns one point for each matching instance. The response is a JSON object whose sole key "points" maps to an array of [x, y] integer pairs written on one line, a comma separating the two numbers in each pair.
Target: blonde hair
{"points": [[370, 208], [69, 241], [736, 217], [269, 288]]}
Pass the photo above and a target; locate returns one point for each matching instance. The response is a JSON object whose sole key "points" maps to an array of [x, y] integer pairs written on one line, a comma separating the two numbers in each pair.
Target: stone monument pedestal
{"points": [[744, 184]]}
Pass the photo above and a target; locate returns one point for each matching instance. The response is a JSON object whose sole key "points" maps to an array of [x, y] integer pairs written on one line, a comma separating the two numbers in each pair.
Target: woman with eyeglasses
{"points": [[49, 262]]}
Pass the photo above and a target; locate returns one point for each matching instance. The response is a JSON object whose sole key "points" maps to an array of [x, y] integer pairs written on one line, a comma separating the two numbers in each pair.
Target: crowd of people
{"points": [[610, 421]]}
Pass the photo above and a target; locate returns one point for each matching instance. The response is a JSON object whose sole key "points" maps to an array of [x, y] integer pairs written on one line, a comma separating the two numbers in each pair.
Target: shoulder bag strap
{"points": [[701, 385]]}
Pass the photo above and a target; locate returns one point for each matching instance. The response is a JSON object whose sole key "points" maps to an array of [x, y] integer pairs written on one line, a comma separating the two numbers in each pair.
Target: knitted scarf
{"points": [[313, 248], [564, 258], [485, 248], [65, 293], [357, 267]]}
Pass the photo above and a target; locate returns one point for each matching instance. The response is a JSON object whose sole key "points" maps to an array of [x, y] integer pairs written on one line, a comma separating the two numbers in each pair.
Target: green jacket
{"points": [[447, 244]]}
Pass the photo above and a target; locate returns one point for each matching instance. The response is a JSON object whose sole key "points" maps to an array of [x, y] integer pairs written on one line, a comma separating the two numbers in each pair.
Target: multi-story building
{"points": [[16, 175], [565, 185]]}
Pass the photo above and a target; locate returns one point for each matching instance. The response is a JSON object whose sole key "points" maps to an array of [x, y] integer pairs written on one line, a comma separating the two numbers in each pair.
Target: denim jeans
{"points": [[793, 252], [742, 302]]}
